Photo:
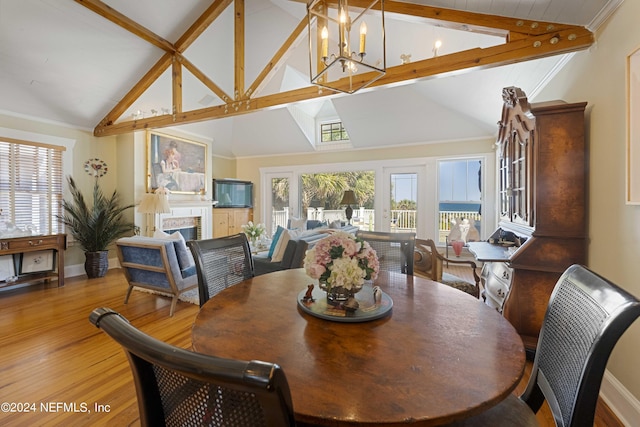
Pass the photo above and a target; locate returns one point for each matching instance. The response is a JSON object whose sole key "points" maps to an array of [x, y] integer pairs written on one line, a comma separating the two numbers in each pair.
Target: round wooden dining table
{"points": [[439, 355]]}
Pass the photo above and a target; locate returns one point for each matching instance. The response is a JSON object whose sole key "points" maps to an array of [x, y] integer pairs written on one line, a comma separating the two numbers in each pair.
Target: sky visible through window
{"points": [[404, 186], [459, 180]]}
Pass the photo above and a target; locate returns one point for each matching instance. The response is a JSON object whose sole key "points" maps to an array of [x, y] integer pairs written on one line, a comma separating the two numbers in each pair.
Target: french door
{"points": [[402, 199], [280, 196]]}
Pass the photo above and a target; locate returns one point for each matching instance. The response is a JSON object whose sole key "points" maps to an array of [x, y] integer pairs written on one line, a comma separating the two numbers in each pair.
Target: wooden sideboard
{"points": [[19, 246], [542, 178], [229, 221]]}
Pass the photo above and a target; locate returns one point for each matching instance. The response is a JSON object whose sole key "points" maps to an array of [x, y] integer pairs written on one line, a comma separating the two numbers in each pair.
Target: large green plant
{"points": [[98, 225]]}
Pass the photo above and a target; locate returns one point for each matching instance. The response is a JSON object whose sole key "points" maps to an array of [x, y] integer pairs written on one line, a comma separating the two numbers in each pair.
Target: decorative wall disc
{"points": [[96, 168]]}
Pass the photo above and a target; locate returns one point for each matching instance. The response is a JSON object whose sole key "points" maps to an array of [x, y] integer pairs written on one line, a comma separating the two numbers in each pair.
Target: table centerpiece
{"points": [[341, 262]]}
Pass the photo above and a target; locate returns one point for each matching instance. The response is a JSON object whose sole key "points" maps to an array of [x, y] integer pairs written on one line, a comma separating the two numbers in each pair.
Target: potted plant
{"points": [[95, 226]]}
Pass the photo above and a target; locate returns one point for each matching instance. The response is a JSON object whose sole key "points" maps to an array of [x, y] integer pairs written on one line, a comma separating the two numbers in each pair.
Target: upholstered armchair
{"points": [[429, 262], [161, 265]]}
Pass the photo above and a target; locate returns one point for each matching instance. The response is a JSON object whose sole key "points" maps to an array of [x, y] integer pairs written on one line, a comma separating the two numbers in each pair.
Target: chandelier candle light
{"points": [[334, 63]]}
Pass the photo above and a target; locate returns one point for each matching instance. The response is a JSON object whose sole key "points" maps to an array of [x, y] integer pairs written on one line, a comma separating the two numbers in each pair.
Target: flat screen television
{"points": [[231, 193]]}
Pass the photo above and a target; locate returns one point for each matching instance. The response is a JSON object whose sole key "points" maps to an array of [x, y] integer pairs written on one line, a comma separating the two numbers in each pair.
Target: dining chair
{"points": [[428, 261], [177, 387], [585, 317], [220, 263], [394, 250]]}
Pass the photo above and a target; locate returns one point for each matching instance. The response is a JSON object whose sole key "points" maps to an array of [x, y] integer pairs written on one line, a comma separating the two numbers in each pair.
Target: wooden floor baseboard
{"points": [[56, 368]]}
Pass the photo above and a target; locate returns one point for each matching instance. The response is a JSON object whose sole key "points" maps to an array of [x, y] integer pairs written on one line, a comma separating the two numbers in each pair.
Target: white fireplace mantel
{"points": [[188, 209]]}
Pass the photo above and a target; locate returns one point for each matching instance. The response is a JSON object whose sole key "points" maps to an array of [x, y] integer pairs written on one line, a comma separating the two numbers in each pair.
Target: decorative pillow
{"points": [[312, 232], [185, 257], [335, 224], [314, 223], [298, 224], [274, 241], [281, 246], [285, 237]]}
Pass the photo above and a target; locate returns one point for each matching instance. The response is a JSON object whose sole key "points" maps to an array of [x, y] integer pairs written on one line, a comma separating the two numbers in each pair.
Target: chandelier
{"points": [[346, 43]]}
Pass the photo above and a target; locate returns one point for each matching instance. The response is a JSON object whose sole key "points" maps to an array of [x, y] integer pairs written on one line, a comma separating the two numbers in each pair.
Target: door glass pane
{"points": [[279, 203], [322, 194], [404, 202], [459, 195]]}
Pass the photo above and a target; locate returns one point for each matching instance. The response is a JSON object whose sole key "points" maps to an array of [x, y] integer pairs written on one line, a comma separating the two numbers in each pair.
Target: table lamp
{"points": [[349, 198], [155, 203]]}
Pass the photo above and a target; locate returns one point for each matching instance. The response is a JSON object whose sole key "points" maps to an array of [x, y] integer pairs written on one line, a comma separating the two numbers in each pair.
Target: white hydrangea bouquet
{"points": [[342, 260], [253, 231]]}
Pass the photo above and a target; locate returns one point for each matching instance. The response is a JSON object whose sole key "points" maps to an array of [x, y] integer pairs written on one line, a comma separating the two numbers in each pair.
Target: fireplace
{"points": [[189, 227], [192, 219]]}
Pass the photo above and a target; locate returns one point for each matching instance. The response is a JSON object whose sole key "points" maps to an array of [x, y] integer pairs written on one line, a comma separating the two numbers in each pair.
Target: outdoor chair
{"points": [[394, 250], [220, 263], [585, 317], [177, 387], [429, 262]]}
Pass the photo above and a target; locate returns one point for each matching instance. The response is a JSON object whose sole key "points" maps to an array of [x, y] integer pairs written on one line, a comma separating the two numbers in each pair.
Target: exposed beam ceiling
{"points": [[524, 40]]}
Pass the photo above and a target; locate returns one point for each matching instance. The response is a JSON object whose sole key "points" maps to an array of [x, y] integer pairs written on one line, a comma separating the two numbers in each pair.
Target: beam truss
{"points": [[525, 40]]}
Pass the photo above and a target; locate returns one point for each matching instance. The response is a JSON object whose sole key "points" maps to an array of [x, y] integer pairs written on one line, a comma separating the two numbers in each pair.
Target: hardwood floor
{"points": [[54, 359]]}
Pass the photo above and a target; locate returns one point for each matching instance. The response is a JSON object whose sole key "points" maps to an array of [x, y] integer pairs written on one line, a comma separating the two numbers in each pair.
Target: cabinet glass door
{"points": [[515, 182]]}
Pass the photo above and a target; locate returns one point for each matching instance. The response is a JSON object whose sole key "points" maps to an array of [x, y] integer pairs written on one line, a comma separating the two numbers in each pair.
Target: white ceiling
{"points": [[63, 63]]}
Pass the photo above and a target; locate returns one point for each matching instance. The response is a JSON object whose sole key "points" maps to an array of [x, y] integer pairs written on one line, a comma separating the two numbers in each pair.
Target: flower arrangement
{"points": [[253, 231], [342, 260]]}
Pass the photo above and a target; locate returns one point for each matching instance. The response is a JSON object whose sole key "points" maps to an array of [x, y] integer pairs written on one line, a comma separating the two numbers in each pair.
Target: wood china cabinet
{"points": [[542, 179]]}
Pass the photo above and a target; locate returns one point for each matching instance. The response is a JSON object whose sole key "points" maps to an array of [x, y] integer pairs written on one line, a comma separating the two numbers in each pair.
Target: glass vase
{"points": [[337, 295]]}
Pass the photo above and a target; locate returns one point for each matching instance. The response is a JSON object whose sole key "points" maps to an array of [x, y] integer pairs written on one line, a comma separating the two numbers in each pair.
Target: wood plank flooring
{"points": [[53, 358]]}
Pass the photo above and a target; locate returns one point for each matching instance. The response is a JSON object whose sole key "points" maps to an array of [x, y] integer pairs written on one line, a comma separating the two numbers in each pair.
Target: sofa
{"points": [[161, 264], [289, 246]]}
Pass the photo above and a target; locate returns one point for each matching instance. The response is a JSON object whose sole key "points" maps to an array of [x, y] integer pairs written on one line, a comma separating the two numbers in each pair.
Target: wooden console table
{"points": [[26, 244]]}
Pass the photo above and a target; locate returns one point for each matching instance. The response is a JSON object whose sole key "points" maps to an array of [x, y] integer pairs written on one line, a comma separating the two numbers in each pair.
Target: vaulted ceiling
{"points": [[118, 66]]}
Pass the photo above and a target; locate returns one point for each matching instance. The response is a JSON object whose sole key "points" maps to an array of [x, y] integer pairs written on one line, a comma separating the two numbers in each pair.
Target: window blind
{"points": [[30, 186]]}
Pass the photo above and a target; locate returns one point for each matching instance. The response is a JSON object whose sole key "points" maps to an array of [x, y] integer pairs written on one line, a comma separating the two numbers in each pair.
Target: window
{"points": [[333, 132], [460, 193], [30, 186], [403, 202]]}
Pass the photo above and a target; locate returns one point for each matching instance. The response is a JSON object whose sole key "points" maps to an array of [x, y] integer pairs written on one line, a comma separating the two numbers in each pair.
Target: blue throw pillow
{"points": [[183, 253], [274, 241]]}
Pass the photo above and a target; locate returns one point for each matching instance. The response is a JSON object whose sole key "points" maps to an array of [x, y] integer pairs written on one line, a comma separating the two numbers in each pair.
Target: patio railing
{"points": [[401, 220]]}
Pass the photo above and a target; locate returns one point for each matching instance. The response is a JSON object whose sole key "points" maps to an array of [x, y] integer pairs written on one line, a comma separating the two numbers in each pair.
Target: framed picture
{"points": [[177, 164], [7, 267], [633, 127], [38, 261]]}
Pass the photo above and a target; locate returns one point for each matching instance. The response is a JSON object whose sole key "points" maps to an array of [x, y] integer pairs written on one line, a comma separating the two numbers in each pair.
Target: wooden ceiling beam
{"points": [[204, 79], [276, 60], [198, 27], [238, 50], [522, 49], [176, 85], [143, 84], [201, 24], [466, 21], [525, 40], [128, 24]]}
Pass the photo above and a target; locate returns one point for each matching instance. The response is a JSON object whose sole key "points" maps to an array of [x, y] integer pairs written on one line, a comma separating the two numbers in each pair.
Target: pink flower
{"points": [[342, 259], [315, 270]]}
